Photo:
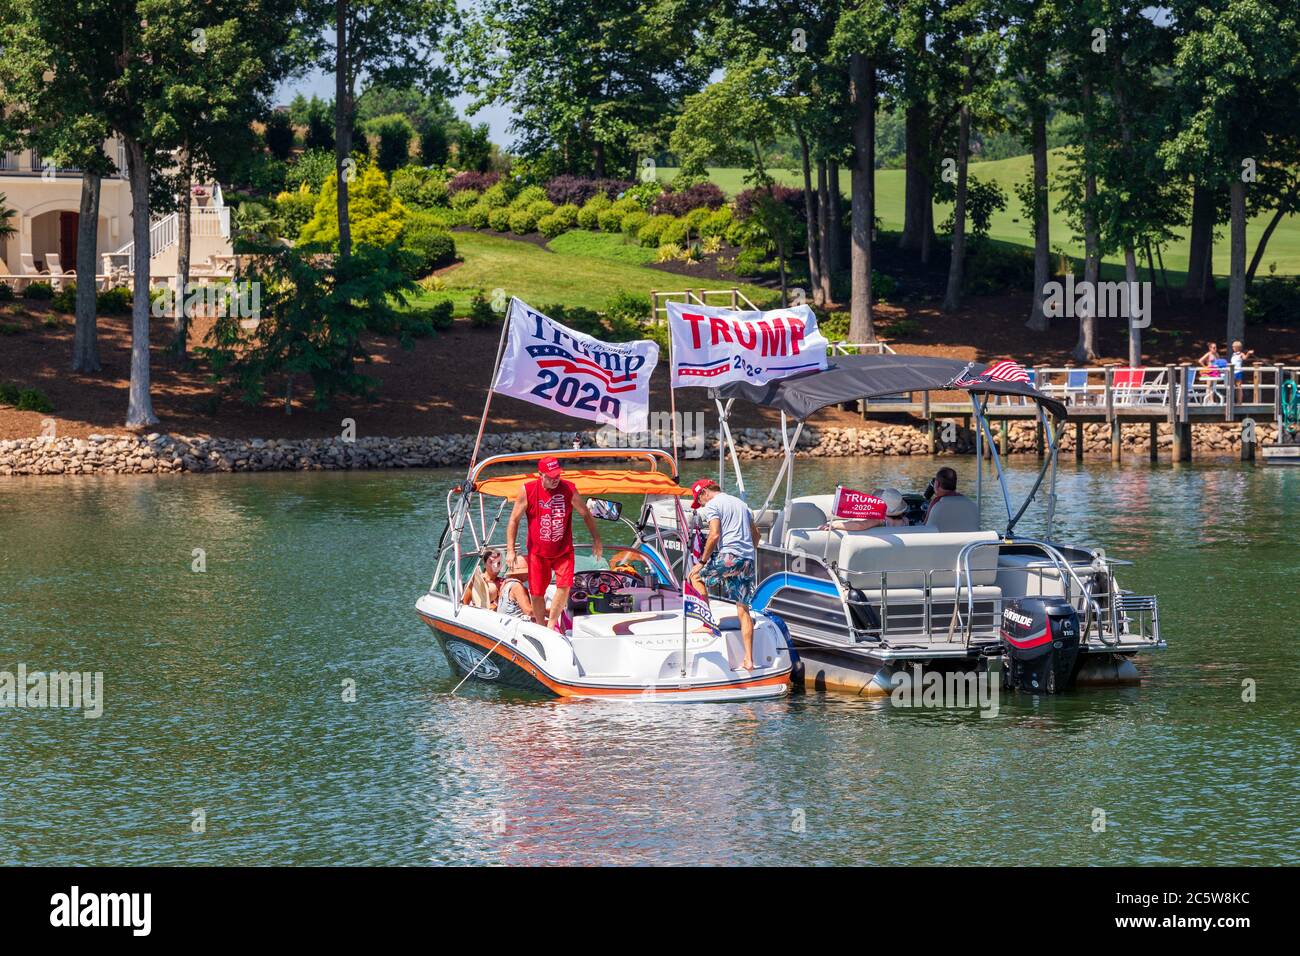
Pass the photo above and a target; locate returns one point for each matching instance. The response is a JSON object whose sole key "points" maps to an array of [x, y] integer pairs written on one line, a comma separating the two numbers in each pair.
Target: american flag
{"points": [[1006, 370]]}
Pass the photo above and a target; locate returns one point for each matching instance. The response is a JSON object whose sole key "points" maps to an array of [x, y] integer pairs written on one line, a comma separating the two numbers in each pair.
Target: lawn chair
{"points": [[58, 275], [27, 264], [1076, 386], [14, 281], [1126, 385]]}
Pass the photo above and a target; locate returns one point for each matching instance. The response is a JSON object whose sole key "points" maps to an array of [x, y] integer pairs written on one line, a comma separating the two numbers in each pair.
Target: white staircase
{"points": [[164, 231]]}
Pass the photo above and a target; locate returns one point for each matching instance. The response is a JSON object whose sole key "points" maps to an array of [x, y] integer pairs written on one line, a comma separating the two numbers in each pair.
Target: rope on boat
{"points": [[476, 667]]}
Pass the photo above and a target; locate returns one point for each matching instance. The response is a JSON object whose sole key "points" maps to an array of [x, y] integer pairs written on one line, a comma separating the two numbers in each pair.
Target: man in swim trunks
{"points": [[549, 502]]}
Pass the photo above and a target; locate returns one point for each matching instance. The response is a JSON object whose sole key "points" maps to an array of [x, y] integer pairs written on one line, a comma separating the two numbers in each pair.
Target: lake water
{"points": [[223, 693]]}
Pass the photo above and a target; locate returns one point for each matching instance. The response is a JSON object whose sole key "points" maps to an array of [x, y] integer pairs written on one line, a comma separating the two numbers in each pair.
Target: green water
{"points": [[224, 692]]}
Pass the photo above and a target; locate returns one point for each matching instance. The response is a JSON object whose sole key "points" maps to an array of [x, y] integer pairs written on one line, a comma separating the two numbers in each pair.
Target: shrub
{"points": [[711, 244], [676, 233], [527, 196], [433, 145], [648, 235], [749, 263], [644, 194], [626, 205], [279, 135], [479, 182], [789, 196], [625, 314], [6, 293], [465, 199], [419, 187], [610, 219], [568, 214], [114, 301], [440, 314], [991, 269], [551, 226], [716, 223], [631, 223], [424, 323], [668, 252], [33, 400], [700, 196], [578, 190], [497, 197], [39, 290], [427, 244], [9, 393], [65, 300], [294, 210], [481, 313], [499, 219], [696, 218], [312, 167], [476, 217], [540, 207], [523, 221], [376, 216], [1273, 300]]}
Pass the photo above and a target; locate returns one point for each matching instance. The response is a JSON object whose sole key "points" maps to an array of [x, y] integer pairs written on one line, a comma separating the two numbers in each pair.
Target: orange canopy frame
{"points": [[594, 481]]}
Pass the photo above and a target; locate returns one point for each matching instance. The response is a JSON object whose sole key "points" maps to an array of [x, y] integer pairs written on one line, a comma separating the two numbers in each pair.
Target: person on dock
{"points": [[1238, 362], [1211, 355], [726, 565], [549, 502]]}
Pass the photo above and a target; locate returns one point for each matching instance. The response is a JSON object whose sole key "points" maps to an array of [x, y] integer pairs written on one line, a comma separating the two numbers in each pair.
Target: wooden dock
{"points": [[1181, 396]]}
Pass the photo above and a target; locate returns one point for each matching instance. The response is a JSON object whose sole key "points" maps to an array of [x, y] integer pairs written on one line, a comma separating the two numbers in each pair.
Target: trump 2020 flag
{"points": [[697, 609], [575, 374], [713, 346], [857, 504]]}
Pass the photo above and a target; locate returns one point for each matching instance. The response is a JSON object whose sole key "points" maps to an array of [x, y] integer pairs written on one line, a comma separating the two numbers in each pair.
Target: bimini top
{"points": [[590, 481], [851, 377]]}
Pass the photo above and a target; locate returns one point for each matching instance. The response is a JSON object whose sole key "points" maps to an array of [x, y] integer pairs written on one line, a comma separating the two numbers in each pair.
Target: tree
{"points": [[394, 133], [595, 84], [433, 145], [376, 216], [53, 76], [391, 43], [279, 135], [1238, 67]]}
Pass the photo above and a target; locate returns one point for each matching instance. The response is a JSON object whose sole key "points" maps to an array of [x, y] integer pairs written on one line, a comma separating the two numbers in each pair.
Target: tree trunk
{"points": [[862, 94], [916, 221], [1134, 331], [952, 298], [1237, 264], [1086, 348], [835, 231], [1200, 245], [824, 231], [598, 159], [1038, 320], [1263, 242], [810, 223], [342, 122], [181, 320], [85, 342], [139, 410]]}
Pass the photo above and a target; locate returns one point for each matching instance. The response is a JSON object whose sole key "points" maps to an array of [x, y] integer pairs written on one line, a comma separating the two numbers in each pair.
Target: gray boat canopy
{"points": [[851, 377]]}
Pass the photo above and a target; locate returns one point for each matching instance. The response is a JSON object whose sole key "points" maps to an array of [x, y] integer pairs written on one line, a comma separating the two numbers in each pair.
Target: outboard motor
{"points": [[1040, 639]]}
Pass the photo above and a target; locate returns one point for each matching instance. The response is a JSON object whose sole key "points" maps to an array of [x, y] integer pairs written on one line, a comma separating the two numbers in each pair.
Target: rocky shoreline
{"points": [[161, 454]]}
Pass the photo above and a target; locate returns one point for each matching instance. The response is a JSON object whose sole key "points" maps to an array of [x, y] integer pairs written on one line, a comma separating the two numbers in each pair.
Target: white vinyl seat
{"points": [[903, 555]]}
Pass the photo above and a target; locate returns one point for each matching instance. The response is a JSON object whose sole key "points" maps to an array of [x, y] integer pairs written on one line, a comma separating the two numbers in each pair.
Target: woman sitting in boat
{"points": [[498, 590], [895, 514]]}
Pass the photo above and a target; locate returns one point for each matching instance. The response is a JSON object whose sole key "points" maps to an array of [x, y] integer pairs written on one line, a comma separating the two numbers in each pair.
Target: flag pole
{"points": [[686, 572], [672, 400], [496, 366]]}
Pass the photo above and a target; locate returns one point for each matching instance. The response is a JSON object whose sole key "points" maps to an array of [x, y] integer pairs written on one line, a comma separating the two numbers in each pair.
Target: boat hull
{"points": [[506, 665]]}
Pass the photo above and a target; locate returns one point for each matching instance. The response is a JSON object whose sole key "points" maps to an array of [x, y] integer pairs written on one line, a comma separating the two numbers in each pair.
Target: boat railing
{"points": [[910, 617]]}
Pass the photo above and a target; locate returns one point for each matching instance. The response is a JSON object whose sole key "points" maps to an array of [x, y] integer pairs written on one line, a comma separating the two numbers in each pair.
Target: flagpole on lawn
{"points": [[496, 366]]}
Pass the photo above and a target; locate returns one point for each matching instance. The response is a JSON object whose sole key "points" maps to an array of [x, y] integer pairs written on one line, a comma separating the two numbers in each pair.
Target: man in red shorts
{"points": [[549, 502]]}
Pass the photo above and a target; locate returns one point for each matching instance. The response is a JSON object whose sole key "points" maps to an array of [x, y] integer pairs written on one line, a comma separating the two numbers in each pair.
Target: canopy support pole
{"points": [[987, 430], [724, 432], [487, 403]]}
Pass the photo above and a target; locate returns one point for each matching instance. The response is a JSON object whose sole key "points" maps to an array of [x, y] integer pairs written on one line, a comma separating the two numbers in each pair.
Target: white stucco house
{"points": [[46, 201]]}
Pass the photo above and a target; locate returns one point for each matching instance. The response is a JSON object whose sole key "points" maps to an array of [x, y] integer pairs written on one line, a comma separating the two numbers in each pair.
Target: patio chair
{"points": [[1076, 386], [14, 281], [1126, 385], [58, 275], [27, 263]]}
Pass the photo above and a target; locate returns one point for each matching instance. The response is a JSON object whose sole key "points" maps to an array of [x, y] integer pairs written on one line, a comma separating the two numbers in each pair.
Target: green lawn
{"points": [[1011, 226], [585, 269]]}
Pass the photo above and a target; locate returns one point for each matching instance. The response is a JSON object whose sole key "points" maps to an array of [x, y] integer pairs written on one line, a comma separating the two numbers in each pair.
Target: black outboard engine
{"points": [[1040, 639]]}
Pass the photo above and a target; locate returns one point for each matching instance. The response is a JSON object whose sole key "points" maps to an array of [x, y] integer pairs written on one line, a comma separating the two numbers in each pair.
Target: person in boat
{"points": [[949, 510], [515, 601], [895, 514], [549, 501], [485, 583], [726, 565]]}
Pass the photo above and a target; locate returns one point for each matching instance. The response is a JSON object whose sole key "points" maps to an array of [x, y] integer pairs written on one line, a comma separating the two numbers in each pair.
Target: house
{"points": [[46, 201]]}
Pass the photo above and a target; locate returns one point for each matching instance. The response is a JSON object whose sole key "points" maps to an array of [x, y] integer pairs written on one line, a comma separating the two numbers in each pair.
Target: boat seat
{"points": [[903, 555], [809, 511]]}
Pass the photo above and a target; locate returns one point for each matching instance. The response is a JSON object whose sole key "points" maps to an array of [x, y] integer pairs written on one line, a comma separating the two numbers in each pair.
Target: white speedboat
{"points": [[630, 635]]}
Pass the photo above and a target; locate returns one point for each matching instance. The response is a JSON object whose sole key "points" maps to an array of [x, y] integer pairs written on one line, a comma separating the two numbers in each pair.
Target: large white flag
{"points": [[713, 346], [575, 374]]}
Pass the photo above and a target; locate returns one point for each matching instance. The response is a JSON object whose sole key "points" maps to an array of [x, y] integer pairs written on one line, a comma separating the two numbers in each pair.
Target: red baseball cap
{"points": [[701, 486], [550, 467]]}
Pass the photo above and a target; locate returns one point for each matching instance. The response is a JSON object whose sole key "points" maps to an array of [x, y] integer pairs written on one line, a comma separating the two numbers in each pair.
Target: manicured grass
{"points": [[1010, 225], [585, 269]]}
